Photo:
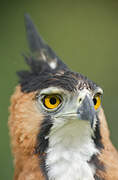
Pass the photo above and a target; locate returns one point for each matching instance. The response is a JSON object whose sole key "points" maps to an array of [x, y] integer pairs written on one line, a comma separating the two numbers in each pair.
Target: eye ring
{"points": [[52, 101], [97, 101]]}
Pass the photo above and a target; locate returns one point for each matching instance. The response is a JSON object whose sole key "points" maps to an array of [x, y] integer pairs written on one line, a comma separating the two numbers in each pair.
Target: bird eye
{"points": [[51, 101], [97, 102]]}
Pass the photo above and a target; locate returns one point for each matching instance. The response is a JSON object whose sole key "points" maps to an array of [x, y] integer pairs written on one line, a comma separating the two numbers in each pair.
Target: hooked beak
{"points": [[86, 110]]}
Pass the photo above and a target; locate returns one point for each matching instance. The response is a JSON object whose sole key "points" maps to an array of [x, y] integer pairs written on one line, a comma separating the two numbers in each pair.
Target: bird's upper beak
{"points": [[86, 110]]}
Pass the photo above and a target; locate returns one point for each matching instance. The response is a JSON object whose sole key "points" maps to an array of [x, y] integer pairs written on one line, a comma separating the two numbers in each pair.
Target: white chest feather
{"points": [[70, 149]]}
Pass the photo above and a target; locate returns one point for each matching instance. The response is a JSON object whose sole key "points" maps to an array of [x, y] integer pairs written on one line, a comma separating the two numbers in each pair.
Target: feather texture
{"points": [[29, 125]]}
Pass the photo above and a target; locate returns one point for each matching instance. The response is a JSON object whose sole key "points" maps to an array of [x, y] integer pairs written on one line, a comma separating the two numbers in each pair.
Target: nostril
{"points": [[80, 99]]}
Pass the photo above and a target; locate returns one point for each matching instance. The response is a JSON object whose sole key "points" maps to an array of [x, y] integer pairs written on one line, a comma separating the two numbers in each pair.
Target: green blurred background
{"points": [[83, 33]]}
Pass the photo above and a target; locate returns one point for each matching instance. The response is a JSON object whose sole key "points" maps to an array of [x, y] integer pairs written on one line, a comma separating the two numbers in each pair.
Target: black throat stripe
{"points": [[95, 158], [42, 144]]}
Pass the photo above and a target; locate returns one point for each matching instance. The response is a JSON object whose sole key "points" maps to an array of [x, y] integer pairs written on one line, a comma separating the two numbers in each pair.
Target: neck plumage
{"points": [[108, 157], [71, 152]]}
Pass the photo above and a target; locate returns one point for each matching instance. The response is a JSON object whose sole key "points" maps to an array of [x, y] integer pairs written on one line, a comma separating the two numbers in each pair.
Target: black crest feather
{"points": [[40, 49], [46, 68]]}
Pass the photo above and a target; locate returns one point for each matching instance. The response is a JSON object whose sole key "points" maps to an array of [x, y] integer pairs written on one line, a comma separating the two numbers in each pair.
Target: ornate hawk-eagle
{"points": [[57, 125]]}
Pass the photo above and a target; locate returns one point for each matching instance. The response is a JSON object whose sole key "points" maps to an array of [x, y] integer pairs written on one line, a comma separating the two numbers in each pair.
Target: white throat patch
{"points": [[70, 148]]}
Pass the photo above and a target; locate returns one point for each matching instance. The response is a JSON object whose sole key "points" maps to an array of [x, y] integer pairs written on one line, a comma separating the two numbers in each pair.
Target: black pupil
{"points": [[53, 100], [95, 101]]}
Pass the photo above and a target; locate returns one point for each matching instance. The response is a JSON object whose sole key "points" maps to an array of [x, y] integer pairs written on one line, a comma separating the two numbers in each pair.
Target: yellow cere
{"points": [[51, 101], [97, 102]]}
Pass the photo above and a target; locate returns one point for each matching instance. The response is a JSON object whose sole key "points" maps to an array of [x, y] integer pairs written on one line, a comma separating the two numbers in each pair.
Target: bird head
{"points": [[61, 95], [55, 106], [64, 104]]}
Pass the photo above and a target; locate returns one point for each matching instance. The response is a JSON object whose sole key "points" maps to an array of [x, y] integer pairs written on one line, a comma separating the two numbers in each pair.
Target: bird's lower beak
{"points": [[86, 110]]}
